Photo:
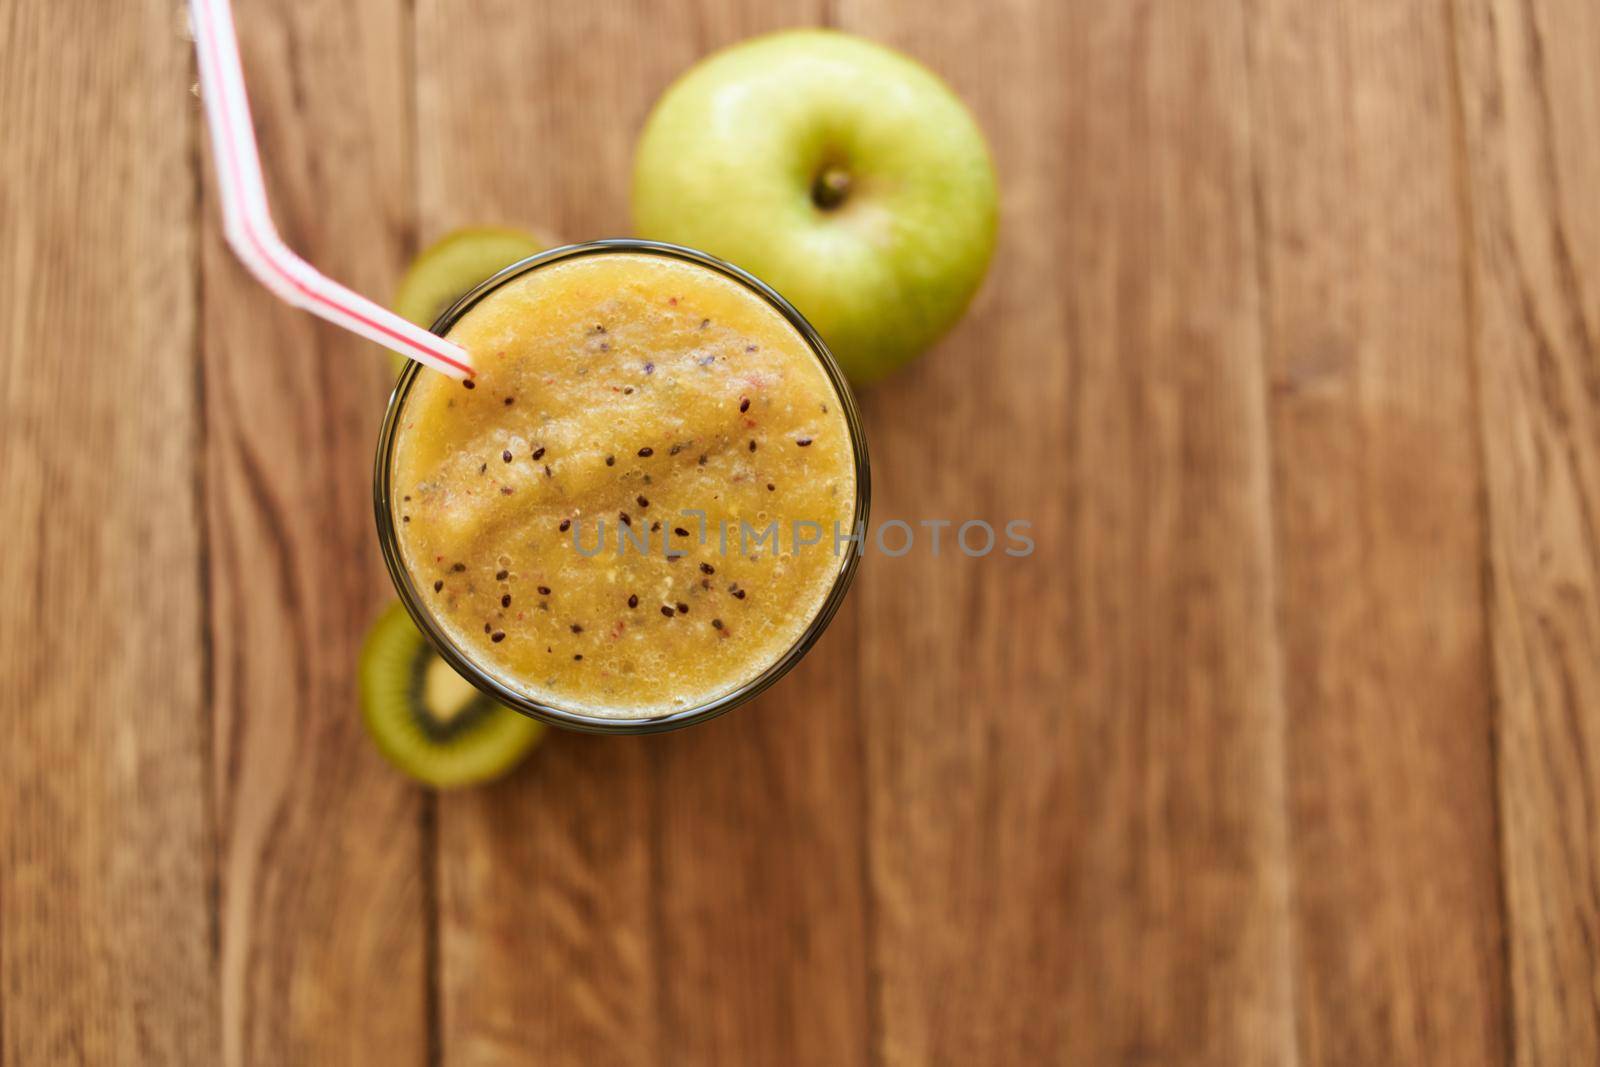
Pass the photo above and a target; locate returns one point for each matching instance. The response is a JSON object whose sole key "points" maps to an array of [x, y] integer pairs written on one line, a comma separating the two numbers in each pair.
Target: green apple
{"points": [[842, 173]]}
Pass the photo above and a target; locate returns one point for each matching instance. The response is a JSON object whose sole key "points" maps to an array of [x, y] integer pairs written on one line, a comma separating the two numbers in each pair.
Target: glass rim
{"points": [[483, 679]]}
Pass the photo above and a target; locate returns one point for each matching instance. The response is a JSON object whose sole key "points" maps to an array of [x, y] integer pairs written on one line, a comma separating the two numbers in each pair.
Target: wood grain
{"points": [[1531, 104], [1075, 760], [547, 945], [760, 866], [105, 926], [547, 935], [680, 892], [322, 918], [1280, 749], [761, 872], [1377, 493]]}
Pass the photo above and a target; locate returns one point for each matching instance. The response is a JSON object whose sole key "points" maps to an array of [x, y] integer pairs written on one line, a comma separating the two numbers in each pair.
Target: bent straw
{"points": [[247, 222]]}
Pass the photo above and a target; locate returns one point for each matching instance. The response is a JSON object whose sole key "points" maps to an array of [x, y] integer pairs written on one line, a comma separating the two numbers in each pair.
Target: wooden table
{"points": [[1283, 748]]}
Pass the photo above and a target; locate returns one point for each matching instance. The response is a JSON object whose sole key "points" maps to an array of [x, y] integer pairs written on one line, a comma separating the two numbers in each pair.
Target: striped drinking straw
{"points": [[247, 222]]}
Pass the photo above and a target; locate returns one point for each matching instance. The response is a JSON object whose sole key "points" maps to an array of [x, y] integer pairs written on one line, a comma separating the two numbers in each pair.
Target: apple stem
{"points": [[831, 187]]}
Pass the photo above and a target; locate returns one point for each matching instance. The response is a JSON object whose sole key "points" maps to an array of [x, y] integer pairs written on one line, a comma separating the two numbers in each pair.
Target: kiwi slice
{"points": [[428, 720], [444, 271]]}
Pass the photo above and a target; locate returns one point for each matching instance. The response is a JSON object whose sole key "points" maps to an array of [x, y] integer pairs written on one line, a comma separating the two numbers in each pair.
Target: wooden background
{"points": [[1283, 749]]}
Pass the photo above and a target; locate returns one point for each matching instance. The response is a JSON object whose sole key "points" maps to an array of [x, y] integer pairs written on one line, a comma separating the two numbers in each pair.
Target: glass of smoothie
{"points": [[646, 506]]}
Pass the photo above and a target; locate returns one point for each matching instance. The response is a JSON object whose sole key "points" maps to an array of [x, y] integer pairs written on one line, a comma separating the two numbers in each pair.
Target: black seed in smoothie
{"points": [[803, 442], [649, 368], [744, 404], [738, 594], [577, 655], [497, 636], [406, 499], [577, 629], [487, 627], [716, 624], [752, 444], [674, 450], [438, 586], [702, 461], [666, 610], [704, 323], [566, 524], [469, 384], [705, 583], [482, 467], [405, 518], [771, 488], [628, 391], [501, 576], [505, 490], [544, 590], [641, 501], [459, 567], [547, 473], [706, 568], [655, 527], [599, 328], [538, 453], [633, 600], [646, 452], [680, 531], [505, 601], [683, 609], [510, 400], [506, 456], [611, 461], [622, 516]]}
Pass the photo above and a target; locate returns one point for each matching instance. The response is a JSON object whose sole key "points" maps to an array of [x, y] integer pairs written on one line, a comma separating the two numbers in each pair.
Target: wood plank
{"points": [[547, 947], [1075, 789], [761, 875], [610, 864], [105, 909], [323, 919], [1377, 481], [760, 848], [547, 939], [1531, 96]]}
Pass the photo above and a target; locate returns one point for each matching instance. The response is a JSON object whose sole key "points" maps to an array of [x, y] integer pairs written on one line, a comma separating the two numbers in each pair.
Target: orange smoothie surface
{"points": [[625, 389]]}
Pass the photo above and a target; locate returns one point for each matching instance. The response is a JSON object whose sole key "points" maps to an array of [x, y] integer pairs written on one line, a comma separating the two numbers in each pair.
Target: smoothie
{"points": [[605, 518]]}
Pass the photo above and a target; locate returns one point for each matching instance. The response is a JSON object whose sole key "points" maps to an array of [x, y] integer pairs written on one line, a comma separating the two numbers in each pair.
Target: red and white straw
{"points": [[247, 222]]}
